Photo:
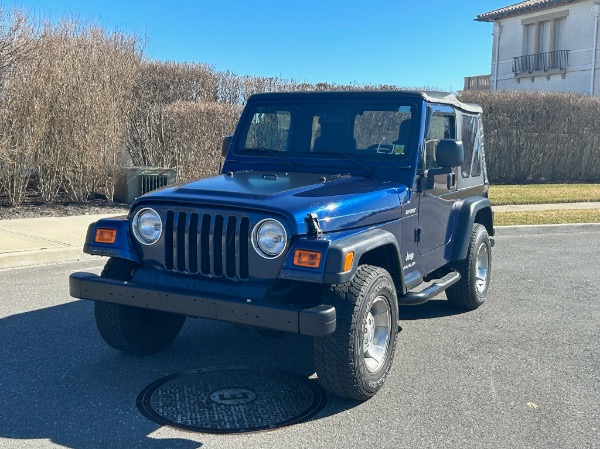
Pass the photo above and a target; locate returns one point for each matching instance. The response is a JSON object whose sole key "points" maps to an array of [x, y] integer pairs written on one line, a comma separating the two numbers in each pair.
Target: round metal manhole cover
{"points": [[231, 400]]}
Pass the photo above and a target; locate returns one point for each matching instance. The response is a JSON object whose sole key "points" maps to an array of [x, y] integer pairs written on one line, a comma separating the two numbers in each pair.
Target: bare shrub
{"points": [[168, 82], [66, 96], [194, 137], [157, 85], [16, 155], [540, 136], [83, 80], [18, 134], [17, 40]]}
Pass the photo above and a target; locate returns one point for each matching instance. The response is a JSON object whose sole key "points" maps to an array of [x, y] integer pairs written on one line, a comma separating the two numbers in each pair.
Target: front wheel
{"points": [[131, 329], [475, 270], [355, 360]]}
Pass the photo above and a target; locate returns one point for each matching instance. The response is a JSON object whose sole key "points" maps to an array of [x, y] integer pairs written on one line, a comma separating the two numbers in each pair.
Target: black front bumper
{"points": [[316, 321]]}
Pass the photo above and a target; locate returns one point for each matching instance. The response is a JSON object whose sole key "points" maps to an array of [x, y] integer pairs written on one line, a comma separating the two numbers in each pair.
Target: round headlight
{"points": [[269, 238], [147, 226]]}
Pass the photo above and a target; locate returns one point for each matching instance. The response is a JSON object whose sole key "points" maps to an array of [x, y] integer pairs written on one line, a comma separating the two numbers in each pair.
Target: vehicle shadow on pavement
{"points": [[58, 383], [61, 382], [436, 308]]}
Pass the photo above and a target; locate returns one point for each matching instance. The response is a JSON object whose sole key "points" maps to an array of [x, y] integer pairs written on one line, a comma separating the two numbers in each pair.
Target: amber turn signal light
{"points": [[348, 261], [309, 259], [105, 235]]}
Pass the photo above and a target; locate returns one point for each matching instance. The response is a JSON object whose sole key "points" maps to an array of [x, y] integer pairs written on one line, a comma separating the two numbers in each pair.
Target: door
{"points": [[437, 195]]}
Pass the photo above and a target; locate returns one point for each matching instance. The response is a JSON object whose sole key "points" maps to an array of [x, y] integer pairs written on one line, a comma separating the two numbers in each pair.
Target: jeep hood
{"points": [[340, 201]]}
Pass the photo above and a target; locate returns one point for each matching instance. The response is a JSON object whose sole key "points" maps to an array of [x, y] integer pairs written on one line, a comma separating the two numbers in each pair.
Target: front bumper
{"points": [[316, 321]]}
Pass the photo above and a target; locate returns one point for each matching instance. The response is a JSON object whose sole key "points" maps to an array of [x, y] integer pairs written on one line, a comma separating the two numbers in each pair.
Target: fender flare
{"points": [[123, 246], [469, 209], [360, 244]]}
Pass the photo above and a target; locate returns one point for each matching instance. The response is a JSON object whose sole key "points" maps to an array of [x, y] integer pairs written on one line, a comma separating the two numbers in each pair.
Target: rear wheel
{"points": [[470, 292], [131, 329], [355, 360]]}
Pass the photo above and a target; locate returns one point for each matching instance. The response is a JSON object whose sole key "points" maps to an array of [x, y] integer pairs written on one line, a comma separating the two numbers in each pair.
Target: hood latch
{"points": [[312, 223]]}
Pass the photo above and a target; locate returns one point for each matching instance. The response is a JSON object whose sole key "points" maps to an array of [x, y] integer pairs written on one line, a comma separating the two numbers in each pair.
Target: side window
{"points": [[442, 126], [269, 129], [471, 139]]}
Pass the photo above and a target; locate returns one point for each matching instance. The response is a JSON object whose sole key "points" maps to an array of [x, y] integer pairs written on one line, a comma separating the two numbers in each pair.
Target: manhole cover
{"points": [[229, 400]]}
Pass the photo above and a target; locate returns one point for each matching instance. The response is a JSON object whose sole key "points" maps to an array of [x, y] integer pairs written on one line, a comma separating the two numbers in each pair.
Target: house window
{"points": [[559, 34], [529, 39], [543, 43], [543, 37]]}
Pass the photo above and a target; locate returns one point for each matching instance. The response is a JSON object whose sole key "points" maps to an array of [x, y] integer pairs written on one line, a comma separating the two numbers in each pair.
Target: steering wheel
{"points": [[381, 148]]}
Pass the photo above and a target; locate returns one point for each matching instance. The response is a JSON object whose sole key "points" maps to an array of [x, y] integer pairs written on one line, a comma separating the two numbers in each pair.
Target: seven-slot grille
{"points": [[209, 244]]}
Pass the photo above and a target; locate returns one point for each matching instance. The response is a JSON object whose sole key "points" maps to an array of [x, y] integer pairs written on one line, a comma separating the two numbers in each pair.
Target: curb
{"points": [[42, 257]]}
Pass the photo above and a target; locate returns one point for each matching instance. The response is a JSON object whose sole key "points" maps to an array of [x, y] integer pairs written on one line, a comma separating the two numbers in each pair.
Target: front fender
{"points": [[123, 246], [360, 244]]}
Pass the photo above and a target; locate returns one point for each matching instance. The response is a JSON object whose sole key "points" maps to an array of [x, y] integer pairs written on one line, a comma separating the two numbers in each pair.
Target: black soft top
{"points": [[362, 95]]}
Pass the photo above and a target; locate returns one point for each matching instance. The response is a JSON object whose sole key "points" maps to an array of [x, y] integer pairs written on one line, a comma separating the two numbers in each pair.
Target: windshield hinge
{"points": [[312, 224]]}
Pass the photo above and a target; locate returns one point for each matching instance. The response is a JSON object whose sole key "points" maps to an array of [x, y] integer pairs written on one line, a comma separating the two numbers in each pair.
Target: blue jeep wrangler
{"points": [[332, 209]]}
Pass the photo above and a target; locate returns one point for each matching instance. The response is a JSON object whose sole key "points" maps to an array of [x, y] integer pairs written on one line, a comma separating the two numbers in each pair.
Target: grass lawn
{"points": [[547, 217], [543, 193]]}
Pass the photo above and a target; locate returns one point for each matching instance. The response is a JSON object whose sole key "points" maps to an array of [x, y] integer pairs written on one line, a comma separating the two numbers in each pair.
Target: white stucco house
{"points": [[549, 45]]}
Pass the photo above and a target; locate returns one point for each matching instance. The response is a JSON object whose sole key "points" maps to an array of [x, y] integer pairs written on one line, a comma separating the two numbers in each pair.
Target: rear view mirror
{"points": [[449, 153], [226, 144]]}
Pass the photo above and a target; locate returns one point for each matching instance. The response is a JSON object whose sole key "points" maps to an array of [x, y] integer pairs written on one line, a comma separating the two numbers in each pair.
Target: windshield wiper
{"points": [[274, 154], [368, 169]]}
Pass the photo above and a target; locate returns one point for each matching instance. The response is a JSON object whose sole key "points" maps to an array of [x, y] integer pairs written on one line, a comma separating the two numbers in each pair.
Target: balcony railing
{"points": [[481, 82], [541, 62]]}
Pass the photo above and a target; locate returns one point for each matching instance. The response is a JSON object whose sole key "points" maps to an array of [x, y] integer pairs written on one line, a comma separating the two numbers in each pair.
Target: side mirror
{"points": [[449, 153], [226, 144]]}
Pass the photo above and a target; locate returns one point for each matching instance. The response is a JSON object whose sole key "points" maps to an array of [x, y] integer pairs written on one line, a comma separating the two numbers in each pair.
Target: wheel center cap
{"points": [[369, 331]]}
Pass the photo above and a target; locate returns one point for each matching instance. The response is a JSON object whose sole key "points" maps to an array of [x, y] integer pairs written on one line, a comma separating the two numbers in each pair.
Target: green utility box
{"points": [[136, 181]]}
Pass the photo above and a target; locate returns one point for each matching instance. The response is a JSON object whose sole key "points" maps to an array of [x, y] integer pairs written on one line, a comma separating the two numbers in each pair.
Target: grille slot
{"points": [[181, 241], [218, 246], [210, 244], [205, 242], [230, 254]]}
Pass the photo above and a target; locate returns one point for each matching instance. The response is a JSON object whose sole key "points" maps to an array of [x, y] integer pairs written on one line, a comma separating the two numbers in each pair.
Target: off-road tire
{"points": [[340, 359], [471, 291], [131, 329]]}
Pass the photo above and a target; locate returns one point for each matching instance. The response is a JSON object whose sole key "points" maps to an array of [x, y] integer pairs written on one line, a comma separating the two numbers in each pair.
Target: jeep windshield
{"points": [[363, 133]]}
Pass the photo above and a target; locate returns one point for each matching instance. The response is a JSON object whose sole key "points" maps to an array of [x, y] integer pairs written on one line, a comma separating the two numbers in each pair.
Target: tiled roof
{"points": [[520, 8]]}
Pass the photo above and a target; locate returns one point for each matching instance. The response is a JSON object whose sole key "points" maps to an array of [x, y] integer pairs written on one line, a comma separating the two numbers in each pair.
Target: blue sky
{"points": [[427, 43]]}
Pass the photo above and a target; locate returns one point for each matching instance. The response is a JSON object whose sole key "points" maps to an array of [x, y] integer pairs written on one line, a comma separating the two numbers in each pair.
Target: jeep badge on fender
{"points": [[332, 209]]}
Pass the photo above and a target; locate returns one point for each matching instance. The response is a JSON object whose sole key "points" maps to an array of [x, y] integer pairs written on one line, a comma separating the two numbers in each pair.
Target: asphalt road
{"points": [[523, 371]]}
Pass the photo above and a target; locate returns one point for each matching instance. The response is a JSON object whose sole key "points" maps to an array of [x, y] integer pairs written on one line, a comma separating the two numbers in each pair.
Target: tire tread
{"points": [[461, 294], [336, 368]]}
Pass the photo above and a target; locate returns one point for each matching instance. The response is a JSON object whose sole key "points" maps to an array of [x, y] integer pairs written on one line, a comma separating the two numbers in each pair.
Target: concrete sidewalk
{"points": [[541, 207], [39, 241]]}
